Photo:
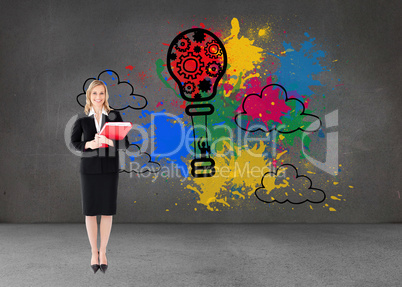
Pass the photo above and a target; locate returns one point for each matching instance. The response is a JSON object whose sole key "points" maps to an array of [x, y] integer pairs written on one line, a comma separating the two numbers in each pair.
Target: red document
{"points": [[115, 130]]}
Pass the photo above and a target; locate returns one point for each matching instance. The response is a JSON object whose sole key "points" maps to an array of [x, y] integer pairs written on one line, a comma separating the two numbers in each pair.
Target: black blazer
{"points": [[101, 160]]}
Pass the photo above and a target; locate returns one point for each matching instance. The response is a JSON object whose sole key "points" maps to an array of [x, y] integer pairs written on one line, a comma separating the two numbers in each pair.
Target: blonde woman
{"points": [[99, 169]]}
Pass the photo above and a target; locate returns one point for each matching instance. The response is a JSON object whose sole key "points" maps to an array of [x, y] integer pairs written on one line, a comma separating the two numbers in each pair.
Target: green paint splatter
{"points": [[159, 69]]}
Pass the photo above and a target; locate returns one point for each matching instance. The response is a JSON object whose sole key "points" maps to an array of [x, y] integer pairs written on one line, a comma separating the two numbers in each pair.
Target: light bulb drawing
{"points": [[197, 60]]}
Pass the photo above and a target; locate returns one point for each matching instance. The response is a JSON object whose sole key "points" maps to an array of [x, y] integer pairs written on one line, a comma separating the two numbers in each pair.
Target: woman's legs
{"points": [[105, 228], [92, 230]]}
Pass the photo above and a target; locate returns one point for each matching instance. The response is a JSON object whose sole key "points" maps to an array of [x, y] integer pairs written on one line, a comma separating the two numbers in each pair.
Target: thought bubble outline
{"points": [[244, 112], [287, 200], [140, 154], [118, 83]]}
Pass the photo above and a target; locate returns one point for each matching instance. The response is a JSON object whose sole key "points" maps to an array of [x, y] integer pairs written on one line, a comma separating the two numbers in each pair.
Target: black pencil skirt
{"points": [[99, 193]]}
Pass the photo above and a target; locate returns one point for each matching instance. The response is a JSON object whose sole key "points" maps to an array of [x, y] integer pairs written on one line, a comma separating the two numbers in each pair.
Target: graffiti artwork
{"points": [[235, 119]]}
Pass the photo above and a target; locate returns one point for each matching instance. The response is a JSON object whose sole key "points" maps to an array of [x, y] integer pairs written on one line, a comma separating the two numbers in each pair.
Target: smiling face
{"points": [[98, 96]]}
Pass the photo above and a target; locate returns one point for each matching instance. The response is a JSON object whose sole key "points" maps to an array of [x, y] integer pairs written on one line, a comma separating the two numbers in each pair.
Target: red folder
{"points": [[115, 130]]}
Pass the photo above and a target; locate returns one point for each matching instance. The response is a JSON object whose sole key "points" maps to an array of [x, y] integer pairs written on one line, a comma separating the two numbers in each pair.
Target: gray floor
{"points": [[204, 255]]}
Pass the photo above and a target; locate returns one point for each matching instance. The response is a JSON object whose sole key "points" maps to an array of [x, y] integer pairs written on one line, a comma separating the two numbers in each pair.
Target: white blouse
{"points": [[98, 125]]}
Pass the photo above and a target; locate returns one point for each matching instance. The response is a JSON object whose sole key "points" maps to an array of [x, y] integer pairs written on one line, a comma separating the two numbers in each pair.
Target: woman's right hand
{"points": [[93, 144]]}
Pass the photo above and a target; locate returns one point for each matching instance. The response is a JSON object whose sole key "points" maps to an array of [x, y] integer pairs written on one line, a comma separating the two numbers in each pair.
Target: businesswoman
{"points": [[99, 169]]}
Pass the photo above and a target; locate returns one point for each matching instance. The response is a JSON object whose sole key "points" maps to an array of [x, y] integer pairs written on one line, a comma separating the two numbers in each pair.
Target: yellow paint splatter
{"points": [[262, 32], [167, 209], [192, 188], [332, 209], [239, 194], [335, 183], [243, 56], [334, 198], [311, 207], [232, 173], [351, 186], [279, 155], [281, 137]]}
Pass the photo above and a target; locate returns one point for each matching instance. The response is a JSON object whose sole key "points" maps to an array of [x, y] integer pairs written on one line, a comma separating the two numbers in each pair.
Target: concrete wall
{"points": [[346, 59]]}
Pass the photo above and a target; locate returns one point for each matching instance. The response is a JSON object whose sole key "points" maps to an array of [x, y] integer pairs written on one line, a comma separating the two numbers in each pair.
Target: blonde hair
{"points": [[88, 104]]}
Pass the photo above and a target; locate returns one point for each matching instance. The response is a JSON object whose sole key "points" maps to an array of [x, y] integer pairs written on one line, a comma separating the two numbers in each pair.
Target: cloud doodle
{"points": [[121, 93], [273, 110], [142, 161], [286, 185]]}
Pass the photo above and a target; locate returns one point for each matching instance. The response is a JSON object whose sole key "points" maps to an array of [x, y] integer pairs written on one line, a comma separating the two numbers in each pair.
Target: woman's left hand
{"points": [[103, 140]]}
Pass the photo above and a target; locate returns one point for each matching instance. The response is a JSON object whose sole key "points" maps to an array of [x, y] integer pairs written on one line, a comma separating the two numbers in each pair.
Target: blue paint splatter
{"points": [[168, 138], [298, 67], [321, 133]]}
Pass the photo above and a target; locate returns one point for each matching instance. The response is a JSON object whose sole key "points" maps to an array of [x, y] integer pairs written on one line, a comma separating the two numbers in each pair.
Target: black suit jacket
{"points": [[101, 160]]}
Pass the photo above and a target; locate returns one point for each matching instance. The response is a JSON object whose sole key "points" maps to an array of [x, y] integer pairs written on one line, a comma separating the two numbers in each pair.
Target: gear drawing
{"points": [[190, 66], [199, 36], [189, 87], [205, 85], [173, 56], [183, 44], [213, 69], [212, 50]]}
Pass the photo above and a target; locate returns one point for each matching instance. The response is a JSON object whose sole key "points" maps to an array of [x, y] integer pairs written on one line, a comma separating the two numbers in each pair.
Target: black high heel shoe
{"points": [[95, 267], [103, 268]]}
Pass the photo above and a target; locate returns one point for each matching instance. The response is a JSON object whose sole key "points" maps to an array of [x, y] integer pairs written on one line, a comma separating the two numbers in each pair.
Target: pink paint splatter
{"points": [[266, 104], [227, 87], [159, 104]]}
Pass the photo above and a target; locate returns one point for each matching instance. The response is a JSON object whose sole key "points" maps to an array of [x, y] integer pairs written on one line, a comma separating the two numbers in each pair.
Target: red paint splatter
{"points": [[159, 104], [129, 67], [183, 106], [202, 25]]}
